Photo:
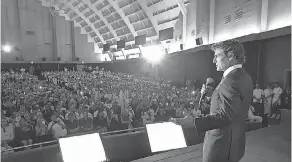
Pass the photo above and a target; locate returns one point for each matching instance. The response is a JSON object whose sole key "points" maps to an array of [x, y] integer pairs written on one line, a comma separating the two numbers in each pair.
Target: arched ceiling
{"points": [[108, 21]]}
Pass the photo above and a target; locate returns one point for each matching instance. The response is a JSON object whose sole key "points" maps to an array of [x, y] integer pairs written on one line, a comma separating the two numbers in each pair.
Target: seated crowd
{"points": [[68, 102]]}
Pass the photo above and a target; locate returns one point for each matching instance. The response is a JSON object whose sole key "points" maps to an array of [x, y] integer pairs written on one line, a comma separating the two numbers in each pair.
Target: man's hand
{"points": [[187, 122], [204, 89], [173, 120]]}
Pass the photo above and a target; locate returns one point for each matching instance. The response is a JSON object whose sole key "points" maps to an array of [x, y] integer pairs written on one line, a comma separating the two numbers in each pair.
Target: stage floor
{"points": [[271, 144]]}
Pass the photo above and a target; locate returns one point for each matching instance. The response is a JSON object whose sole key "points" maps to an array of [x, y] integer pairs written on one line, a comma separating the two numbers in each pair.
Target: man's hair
{"points": [[231, 48]]}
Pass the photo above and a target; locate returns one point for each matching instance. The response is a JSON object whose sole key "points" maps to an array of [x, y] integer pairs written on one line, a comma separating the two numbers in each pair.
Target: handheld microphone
{"points": [[208, 82], [202, 96]]}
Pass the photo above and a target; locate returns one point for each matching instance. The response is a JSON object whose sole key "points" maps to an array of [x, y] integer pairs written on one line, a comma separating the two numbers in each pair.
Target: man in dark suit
{"points": [[225, 125]]}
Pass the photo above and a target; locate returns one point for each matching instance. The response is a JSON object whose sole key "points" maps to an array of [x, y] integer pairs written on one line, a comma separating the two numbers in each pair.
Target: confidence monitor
{"points": [[87, 148], [140, 40], [166, 34], [165, 136]]}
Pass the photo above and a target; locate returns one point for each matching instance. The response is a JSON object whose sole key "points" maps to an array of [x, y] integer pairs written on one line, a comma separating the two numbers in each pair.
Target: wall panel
{"points": [[223, 9], [10, 33], [63, 33], [236, 18], [84, 49], [279, 14], [27, 25], [246, 17], [203, 19]]}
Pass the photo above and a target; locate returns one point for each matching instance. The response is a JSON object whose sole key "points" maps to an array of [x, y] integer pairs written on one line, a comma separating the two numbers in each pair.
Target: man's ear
{"points": [[230, 55]]}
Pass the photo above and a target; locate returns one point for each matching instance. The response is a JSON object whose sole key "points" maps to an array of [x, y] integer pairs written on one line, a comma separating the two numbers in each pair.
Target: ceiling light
{"points": [[7, 48]]}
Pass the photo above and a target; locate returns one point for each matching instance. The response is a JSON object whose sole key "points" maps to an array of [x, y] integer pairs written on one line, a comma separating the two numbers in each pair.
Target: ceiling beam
{"points": [[184, 13], [182, 7], [123, 16], [93, 8], [69, 4], [76, 24], [264, 16], [154, 23], [212, 21]]}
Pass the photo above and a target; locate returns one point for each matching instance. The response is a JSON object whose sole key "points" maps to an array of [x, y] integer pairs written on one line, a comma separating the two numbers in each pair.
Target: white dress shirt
{"points": [[258, 93], [277, 92], [231, 68]]}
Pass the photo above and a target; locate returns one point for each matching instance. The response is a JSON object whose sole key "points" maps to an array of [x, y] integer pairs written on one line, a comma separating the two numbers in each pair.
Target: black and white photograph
{"points": [[145, 80]]}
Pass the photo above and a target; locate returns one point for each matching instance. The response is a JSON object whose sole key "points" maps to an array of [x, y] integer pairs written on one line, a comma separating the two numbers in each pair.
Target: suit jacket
{"points": [[225, 125]]}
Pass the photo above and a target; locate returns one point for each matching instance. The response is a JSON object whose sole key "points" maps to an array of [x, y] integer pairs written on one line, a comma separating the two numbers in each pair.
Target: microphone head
{"points": [[210, 81]]}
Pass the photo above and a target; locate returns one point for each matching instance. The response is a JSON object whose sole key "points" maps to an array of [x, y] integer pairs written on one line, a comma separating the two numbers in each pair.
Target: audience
{"points": [[68, 102]]}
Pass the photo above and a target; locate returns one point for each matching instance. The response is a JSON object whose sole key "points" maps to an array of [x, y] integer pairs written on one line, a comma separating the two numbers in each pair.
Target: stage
{"points": [[271, 144]]}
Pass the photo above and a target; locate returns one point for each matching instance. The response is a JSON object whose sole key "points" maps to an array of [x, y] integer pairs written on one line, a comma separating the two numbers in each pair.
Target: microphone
{"points": [[202, 96], [208, 82]]}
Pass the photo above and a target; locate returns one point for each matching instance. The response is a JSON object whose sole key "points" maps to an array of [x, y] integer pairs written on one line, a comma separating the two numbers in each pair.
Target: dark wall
{"points": [[195, 65], [277, 58], [251, 64]]}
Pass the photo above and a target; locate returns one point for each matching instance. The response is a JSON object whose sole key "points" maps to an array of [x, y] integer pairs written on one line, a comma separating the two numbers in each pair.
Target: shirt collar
{"points": [[228, 70]]}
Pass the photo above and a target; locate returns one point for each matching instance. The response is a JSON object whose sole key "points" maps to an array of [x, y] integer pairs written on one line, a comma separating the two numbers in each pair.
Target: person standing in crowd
{"points": [[225, 125], [24, 133], [146, 117], [114, 121], [286, 97], [268, 92], [7, 134], [72, 123], [210, 88], [258, 99], [276, 101], [86, 122], [180, 110], [257, 103], [57, 127], [204, 105], [41, 129], [127, 115]]}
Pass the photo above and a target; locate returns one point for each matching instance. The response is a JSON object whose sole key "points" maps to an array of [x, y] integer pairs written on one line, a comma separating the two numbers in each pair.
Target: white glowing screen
{"points": [[165, 136], [86, 148]]}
